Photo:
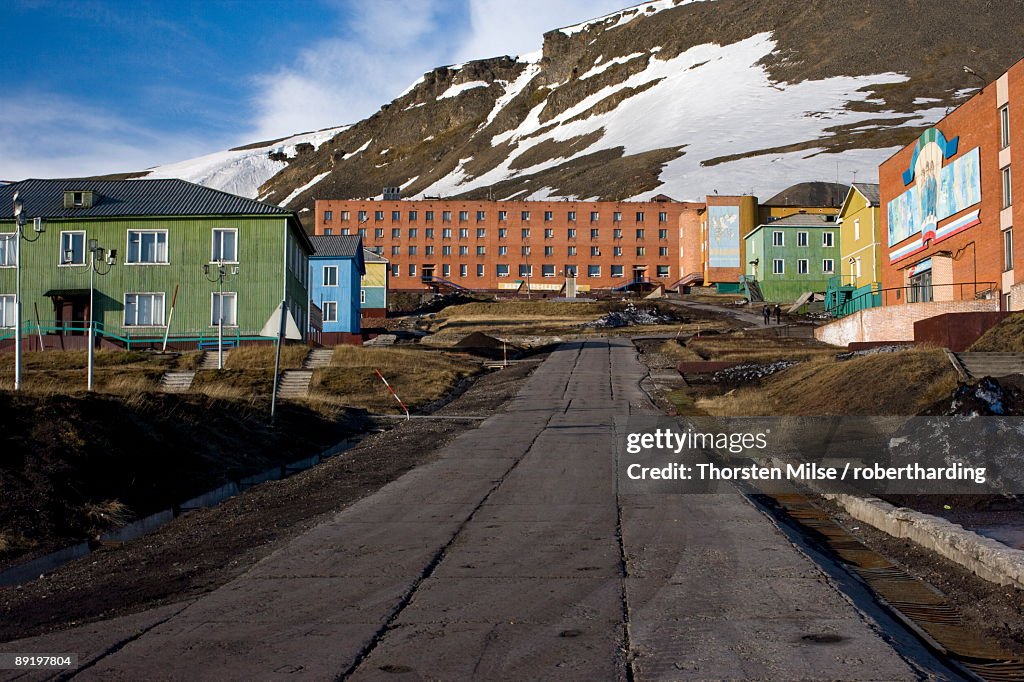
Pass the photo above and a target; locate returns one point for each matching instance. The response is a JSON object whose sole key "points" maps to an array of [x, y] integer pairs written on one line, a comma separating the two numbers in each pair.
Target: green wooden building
{"points": [[793, 255], [171, 239]]}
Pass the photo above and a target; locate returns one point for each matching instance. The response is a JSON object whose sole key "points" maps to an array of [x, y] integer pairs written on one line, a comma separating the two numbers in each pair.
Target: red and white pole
{"points": [[392, 391]]}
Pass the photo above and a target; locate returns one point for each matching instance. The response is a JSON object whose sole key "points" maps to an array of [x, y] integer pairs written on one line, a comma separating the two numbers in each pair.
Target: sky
{"points": [[106, 86]]}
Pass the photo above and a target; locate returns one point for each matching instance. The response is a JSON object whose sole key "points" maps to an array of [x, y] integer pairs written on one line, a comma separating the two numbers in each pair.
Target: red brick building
{"points": [[948, 211], [508, 245]]}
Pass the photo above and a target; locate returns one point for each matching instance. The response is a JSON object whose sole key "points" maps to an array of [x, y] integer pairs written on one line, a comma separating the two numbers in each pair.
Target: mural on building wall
{"points": [[940, 191], [724, 236]]}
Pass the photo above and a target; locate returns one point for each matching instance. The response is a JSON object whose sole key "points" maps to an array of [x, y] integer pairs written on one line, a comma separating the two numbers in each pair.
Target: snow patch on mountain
{"points": [[300, 190], [623, 17], [459, 88]]}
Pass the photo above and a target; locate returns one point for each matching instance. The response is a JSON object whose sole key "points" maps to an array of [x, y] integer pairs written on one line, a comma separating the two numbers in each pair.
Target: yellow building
{"points": [[374, 285], [858, 236]]}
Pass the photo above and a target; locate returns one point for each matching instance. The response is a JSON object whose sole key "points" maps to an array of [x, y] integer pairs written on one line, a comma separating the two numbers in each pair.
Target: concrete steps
{"points": [[294, 383], [978, 365], [176, 382], [209, 360], [317, 358]]}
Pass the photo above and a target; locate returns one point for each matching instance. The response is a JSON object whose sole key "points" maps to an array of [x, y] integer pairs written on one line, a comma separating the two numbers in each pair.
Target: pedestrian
{"points": [[766, 312], [778, 314]]}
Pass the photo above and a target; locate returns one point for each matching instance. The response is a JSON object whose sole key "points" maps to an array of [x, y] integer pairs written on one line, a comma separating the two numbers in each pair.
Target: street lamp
{"points": [[104, 256], [220, 272], [19, 233]]}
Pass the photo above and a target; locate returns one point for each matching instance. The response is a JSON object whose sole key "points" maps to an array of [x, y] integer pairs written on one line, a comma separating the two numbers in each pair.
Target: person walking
{"points": [[766, 312], [778, 314]]}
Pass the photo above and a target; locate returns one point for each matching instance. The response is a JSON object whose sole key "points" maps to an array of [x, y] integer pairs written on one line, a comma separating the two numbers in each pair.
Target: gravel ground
{"points": [[202, 550]]}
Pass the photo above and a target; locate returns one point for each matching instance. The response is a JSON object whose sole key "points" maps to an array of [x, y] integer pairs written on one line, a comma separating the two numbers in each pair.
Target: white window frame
{"points": [[1008, 249], [856, 229], [331, 311], [1004, 126], [396, 270], [163, 309], [779, 266], [527, 269], [778, 238], [362, 296], [593, 271], [828, 266], [85, 250], [233, 296], [666, 273], [828, 240], [325, 278], [128, 249], [803, 239], [13, 238], [620, 273], [498, 267], [548, 270], [480, 269], [446, 270], [8, 302], [213, 244], [1007, 178], [803, 266], [463, 270]]}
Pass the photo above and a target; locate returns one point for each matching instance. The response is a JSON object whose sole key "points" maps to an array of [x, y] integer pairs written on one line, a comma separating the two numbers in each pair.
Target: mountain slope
{"points": [[676, 96]]}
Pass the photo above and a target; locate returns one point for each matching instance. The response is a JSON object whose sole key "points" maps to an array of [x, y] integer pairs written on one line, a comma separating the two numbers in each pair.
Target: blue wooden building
{"points": [[337, 266]]}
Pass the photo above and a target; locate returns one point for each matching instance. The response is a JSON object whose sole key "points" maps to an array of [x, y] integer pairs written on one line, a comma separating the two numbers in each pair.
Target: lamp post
{"points": [[19, 234], [109, 257], [220, 273]]}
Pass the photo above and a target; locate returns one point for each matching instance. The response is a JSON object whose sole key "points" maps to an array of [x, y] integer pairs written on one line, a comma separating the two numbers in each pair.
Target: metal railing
{"points": [[125, 337], [960, 291]]}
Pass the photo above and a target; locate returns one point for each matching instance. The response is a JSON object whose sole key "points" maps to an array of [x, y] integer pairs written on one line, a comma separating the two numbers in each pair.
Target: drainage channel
{"points": [[919, 605]]}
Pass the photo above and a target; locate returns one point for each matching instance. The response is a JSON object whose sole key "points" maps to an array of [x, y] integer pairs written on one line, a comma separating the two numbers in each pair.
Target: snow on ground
{"points": [[610, 63], [715, 101], [302, 189], [459, 88], [240, 172], [623, 17]]}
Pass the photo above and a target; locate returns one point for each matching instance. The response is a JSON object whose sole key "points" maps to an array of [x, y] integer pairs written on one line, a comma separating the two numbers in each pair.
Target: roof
{"points": [[810, 194], [371, 256], [119, 198], [870, 192], [798, 220], [336, 245]]}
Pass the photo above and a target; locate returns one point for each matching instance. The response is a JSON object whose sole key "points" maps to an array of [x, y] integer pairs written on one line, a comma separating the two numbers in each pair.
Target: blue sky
{"points": [[99, 86]]}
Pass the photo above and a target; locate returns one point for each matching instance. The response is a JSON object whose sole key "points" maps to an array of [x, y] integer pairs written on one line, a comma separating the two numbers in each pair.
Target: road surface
{"points": [[513, 556]]}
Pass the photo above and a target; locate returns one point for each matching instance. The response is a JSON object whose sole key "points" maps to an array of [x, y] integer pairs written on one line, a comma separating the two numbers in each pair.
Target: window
{"points": [[571, 233], [346, 216], [856, 229], [446, 233], [446, 216], [1007, 250], [549, 216], [502, 232], [225, 245], [412, 249], [856, 267], [1004, 127], [395, 270], [396, 216], [662, 251], [801, 239], [412, 270], [593, 271], [1007, 193], [526, 233], [463, 216], [446, 270], [428, 232], [616, 250], [549, 233], [330, 275], [549, 251], [525, 215], [617, 216], [571, 216], [778, 239], [594, 216], [481, 232], [346, 231], [480, 270], [502, 269], [362, 296], [481, 250], [663, 271], [330, 311], [662, 233], [641, 250], [616, 233], [396, 250], [828, 266], [570, 270], [396, 233], [428, 216], [72, 249], [662, 217], [147, 246], [525, 250], [778, 266], [481, 216], [463, 270], [827, 239], [502, 216], [639, 216], [640, 233], [572, 251], [8, 311], [446, 250], [595, 233], [595, 250], [463, 233], [378, 233], [328, 216], [413, 232], [413, 215], [225, 304], [328, 231], [429, 249], [547, 271], [617, 271], [463, 250], [361, 216], [502, 250], [146, 310], [378, 215], [801, 266], [525, 270]]}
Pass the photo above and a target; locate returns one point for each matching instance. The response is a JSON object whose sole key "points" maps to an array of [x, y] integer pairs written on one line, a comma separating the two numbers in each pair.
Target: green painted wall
{"points": [[789, 285], [260, 283]]}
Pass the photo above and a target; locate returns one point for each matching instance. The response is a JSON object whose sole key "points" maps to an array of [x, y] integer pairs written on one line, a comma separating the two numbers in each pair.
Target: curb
{"points": [[985, 557]]}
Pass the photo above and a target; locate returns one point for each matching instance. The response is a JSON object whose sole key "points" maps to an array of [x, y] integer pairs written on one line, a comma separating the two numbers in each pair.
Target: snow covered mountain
{"points": [[682, 97]]}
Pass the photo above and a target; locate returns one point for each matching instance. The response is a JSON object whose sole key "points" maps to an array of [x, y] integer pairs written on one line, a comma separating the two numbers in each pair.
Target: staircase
{"points": [[294, 383], [317, 358], [978, 365], [176, 382], [209, 360], [751, 288]]}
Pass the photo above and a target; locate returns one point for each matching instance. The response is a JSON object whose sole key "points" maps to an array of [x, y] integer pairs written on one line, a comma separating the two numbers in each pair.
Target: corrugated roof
{"points": [[804, 220], [116, 198], [336, 245], [870, 192], [371, 256]]}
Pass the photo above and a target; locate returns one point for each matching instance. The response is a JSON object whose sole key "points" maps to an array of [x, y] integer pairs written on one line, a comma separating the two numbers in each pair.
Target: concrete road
{"points": [[514, 557]]}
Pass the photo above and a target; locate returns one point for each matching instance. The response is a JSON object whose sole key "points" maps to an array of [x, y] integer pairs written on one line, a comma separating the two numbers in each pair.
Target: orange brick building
{"points": [[948, 211], [509, 245]]}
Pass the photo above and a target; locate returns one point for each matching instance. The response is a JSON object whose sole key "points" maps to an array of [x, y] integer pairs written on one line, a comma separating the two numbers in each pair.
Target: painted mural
{"points": [[940, 191], [724, 236]]}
